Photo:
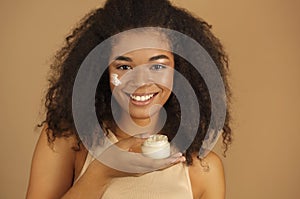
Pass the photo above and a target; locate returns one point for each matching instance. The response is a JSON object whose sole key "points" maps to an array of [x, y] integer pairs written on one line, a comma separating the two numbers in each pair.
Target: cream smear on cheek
{"points": [[115, 80]]}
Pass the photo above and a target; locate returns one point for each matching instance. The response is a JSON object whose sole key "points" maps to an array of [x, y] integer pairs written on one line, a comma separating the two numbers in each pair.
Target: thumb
{"points": [[143, 135], [135, 140]]}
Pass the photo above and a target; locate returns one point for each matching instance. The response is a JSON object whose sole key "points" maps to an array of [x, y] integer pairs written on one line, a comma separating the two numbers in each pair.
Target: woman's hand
{"points": [[118, 160], [53, 168]]}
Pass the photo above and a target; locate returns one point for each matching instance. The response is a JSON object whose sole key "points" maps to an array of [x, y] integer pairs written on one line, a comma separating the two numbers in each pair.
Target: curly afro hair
{"points": [[117, 16]]}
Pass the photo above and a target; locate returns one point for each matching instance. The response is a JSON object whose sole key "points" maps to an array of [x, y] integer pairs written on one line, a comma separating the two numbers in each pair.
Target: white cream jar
{"points": [[156, 147]]}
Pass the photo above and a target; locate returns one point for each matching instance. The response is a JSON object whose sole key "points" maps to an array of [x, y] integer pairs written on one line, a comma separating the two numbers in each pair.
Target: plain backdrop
{"points": [[262, 39]]}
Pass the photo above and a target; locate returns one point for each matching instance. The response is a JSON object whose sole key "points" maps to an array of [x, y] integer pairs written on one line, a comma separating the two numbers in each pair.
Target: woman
{"points": [[62, 166]]}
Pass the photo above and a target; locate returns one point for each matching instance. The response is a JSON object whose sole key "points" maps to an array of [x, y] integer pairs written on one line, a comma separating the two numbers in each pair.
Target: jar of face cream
{"points": [[156, 147]]}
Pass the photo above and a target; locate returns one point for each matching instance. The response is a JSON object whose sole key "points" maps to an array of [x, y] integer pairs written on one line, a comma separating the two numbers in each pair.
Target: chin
{"points": [[142, 115]]}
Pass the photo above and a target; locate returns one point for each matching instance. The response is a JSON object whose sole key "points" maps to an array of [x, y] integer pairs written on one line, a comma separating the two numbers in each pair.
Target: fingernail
{"points": [[174, 160], [179, 159], [177, 155], [144, 135]]}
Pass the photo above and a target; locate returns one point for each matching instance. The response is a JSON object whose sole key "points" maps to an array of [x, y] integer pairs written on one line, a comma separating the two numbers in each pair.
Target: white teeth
{"points": [[141, 98]]}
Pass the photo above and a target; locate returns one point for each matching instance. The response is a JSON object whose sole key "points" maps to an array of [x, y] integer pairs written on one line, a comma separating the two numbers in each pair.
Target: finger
{"points": [[176, 155], [143, 135], [178, 159], [157, 164], [135, 140], [173, 148], [130, 142]]}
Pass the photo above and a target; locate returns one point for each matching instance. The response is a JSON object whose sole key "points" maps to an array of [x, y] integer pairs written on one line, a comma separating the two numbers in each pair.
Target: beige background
{"points": [[262, 38]]}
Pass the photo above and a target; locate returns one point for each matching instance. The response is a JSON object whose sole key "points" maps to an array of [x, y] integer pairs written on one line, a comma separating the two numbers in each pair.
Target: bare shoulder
{"points": [[60, 146], [52, 167], [207, 177]]}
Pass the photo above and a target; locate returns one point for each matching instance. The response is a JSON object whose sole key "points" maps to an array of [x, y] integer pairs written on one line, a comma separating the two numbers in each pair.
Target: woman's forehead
{"points": [[133, 41]]}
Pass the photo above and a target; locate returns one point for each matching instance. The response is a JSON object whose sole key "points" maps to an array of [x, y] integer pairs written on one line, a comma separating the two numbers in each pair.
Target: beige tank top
{"points": [[170, 183]]}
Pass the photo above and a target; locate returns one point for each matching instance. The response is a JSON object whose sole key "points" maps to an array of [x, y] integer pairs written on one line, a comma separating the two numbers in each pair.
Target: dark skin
{"points": [[53, 169], [58, 182], [56, 164], [117, 16]]}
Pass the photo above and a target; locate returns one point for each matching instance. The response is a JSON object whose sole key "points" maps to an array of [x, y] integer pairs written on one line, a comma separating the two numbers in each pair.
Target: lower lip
{"points": [[142, 103]]}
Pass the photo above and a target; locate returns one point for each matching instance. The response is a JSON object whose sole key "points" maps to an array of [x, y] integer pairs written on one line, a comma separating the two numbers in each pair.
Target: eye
{"points": [[157, 67], [124, 67]]}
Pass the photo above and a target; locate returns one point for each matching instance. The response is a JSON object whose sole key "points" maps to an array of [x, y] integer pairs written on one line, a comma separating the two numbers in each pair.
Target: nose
{"points": [[140, 76]]}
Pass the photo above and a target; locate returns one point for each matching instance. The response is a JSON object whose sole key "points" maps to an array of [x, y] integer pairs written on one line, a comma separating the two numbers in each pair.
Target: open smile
{"points": [[142, 99]]}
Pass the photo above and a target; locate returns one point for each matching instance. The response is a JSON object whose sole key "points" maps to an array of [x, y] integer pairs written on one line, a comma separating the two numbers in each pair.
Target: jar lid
{"points": [[156, 140]]}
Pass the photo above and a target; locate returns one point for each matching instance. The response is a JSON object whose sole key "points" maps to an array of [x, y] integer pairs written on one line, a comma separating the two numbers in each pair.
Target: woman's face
{"points": [[141, 78]]}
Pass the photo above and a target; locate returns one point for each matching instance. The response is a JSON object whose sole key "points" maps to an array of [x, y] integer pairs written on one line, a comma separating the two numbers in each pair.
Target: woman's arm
{"points": [[208, 184], [52, 170]]}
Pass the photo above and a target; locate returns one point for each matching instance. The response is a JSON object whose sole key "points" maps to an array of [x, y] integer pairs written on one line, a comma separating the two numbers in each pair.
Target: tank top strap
{"points": [[89, 158]]}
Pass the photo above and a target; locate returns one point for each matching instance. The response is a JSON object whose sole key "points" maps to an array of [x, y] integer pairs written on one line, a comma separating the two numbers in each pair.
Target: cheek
{"points": [[168, 84], [116, 87], [112, 87], [114, 79], [166, 93]]}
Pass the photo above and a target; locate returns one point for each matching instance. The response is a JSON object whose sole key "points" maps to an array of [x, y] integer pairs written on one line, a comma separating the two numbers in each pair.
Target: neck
{"points": [[133, 126]]}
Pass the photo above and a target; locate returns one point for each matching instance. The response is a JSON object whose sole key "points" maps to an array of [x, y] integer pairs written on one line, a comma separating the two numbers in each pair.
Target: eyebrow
{"points": [[158, 57], [124, 58]]}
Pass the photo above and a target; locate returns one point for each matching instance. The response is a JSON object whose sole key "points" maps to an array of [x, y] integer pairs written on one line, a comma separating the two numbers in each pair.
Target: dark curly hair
{"points": [[117, 16]]}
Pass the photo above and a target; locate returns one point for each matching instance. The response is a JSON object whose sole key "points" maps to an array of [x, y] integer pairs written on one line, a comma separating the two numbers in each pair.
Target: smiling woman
{"points": [[134, 100], [138, 71]]}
